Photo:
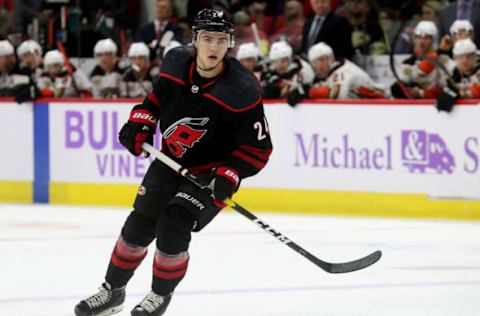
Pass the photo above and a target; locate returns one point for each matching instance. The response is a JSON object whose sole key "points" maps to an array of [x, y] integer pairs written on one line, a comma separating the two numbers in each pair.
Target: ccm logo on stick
{"points": [[271, 231]]}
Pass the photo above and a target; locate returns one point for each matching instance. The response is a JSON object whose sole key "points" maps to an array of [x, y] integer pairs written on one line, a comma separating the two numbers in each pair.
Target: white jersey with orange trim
{"points": [[422, 72], [107, 85], [64, 85], [468, 84], [347, 81]]}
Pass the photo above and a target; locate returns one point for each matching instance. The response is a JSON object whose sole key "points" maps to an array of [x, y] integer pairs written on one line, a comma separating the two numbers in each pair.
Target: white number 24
{"points": [[261, 134]]}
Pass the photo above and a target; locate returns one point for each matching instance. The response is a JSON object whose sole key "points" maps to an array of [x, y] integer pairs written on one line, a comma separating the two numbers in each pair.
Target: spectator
{"points": [[244, 32], [268, 23], [364, 22], [337, 79], [56, 81], [389, 26], [152, 33], [107, 76], [137, 79], [292, 31], [5, 20], [95, 20], [327, 27], [7, 68], [430, 11], [460, 29], [286, 74], [421, 77], [23, 13], [460, 10], [467, 70], [249, 56]]}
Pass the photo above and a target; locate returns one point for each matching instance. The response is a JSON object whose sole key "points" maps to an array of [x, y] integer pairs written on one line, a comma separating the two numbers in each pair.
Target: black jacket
{"points": [[335, 31]]}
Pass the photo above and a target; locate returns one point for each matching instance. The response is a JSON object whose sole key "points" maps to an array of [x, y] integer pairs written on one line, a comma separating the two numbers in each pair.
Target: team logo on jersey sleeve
{"points": [[184, 133]]}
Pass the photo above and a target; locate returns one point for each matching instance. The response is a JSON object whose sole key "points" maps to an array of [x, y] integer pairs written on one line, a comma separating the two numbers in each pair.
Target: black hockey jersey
{"points": [[207, 123]]}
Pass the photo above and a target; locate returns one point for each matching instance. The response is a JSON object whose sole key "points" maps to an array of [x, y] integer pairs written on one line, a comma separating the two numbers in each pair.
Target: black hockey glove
{"points": [[397, 91], [446, 100], [294, 97], [140, 128], [25, 92], [223, 183]]}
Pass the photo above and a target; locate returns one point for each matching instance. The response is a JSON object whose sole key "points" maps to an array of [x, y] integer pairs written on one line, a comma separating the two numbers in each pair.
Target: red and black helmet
{"points": [[211, 20]]}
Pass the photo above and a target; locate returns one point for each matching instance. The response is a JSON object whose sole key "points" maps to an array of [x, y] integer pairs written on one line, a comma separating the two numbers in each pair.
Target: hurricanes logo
{"points": [[182, 135]]}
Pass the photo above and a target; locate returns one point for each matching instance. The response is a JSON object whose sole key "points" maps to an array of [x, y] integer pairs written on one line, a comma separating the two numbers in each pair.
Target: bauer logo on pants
{"points": [[191, 199]]}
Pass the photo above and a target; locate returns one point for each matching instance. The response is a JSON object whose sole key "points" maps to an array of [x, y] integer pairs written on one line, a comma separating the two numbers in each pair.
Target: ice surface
{"points": [[53, 256]]}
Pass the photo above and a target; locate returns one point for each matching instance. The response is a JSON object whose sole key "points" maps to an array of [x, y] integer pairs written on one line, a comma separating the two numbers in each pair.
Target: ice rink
{"points": [[52, 257]]}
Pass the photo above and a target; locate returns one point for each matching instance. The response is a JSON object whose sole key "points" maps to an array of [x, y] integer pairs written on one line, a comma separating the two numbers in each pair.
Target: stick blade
{"points": [[351, 266]]}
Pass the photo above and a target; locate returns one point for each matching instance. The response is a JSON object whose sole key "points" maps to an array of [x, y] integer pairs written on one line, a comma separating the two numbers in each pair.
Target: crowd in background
{"points": [[279, 41]]}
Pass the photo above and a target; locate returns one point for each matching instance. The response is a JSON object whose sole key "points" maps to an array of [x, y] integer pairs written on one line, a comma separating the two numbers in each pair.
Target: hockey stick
{"points": [[326, 266]]}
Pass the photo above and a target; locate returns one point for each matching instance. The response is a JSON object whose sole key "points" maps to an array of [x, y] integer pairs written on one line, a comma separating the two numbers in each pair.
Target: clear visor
{"points": [[220, 39]]}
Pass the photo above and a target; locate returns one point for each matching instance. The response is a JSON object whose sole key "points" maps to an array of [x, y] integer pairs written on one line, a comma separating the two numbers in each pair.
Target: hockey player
{"points": [[339, 79], [467, 71], [30, 57], [137, 79], [465, 80], [286, 73], [56, 82], [30, 68], [107, 76], [248, 55], [335, 79], [460, 29], [421, 77], [8, 64], [212, 122]]}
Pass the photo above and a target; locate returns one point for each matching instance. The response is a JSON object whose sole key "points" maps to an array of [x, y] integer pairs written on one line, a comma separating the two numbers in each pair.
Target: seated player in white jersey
{"points": [[286, 72], [248, 55], [465, 80], [56, 81], [107, 75], [336, 79], [137, 79]]}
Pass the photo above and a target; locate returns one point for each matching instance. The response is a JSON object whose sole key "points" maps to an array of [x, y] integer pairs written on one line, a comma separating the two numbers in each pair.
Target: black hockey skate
{"points": [[107, 301], [152, 305]]}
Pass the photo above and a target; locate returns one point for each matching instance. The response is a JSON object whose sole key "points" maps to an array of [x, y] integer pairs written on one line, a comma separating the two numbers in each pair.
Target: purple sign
{"points": [[422, 151], [316, 151], [99, 131]]}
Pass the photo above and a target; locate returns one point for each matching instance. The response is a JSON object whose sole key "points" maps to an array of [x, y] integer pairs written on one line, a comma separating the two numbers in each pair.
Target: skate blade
{"points": [[111, 311]]}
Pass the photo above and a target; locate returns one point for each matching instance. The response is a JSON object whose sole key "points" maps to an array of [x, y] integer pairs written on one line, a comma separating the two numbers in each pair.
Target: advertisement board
{"points": [[84, 144], [16, 139], [381, 148]]}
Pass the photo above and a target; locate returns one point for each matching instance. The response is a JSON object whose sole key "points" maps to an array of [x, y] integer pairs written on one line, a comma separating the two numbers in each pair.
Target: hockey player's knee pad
{"points": [[198, 202], [170, 266], [138, 229], [126, 255]]}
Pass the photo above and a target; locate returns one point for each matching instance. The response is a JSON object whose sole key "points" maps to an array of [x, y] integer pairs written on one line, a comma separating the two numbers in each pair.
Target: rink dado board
{"points": [[385, 158]]}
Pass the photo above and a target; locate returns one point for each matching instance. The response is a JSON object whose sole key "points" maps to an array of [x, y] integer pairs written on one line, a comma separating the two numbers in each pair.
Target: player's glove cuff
{"points": [[225, 183]]}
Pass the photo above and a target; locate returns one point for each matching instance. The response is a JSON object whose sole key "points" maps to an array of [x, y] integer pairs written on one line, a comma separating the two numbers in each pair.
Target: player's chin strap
{"points": [[326, 266], [206, 69]]}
